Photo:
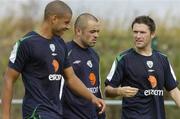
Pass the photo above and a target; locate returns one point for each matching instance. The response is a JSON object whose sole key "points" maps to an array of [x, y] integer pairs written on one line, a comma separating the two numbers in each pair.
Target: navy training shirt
{"points": [[41, 63], [85, 63], [150, 74]]}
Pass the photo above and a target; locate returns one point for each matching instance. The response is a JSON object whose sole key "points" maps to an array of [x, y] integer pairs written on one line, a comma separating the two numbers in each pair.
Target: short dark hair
{"points": [[82, 20], [56, 7], [145, 20]]}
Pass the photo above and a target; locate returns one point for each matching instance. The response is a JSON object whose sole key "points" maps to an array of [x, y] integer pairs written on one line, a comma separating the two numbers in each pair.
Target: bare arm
{"points": [[9, 78], [75, 84], [125, 91], [175, 94]]}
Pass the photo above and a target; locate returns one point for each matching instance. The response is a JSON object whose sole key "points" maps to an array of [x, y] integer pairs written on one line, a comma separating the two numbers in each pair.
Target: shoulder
{"points": [[60, 43], [160, 54], [25, 41], [162, 58], [94, 52], [124, 54], [69, 45], [59, 40], [28, 38]]}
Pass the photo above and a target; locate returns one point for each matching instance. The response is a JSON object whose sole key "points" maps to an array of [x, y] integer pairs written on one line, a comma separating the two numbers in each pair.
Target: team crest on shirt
{"points": [[89, 63], [153, 81], [53, 48], [92, 78], [149, 64], [55, 64]]}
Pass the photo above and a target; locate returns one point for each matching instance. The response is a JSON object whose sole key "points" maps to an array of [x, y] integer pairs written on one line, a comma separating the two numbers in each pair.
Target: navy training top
{"points": [[85, 63], [150, 74], [41, 63]]}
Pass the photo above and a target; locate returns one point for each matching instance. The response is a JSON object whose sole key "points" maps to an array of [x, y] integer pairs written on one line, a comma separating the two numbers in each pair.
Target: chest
{"points": [[145, 70], [84, 60], [86, 66], [47, 56]]}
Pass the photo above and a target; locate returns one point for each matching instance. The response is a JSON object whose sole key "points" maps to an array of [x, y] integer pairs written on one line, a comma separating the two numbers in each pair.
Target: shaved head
{"points": [[58, 8], [82, 20]]}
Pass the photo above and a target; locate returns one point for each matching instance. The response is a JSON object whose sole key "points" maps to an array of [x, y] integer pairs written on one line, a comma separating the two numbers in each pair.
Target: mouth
{"points": [[139, 41], [63, 30], [94, 40]]}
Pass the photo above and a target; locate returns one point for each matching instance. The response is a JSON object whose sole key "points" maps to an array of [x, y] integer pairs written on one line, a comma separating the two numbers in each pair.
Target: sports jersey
{"points": [[85, 63], [150, 74], [41, 62]]}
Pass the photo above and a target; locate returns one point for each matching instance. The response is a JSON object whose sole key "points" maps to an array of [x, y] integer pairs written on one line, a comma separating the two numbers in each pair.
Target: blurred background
{"points": [[17, 17]]}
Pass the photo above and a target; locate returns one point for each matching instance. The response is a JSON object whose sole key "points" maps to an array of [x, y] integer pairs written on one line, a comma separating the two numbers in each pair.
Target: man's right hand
{"points": [[100, 103], [127, 91]]}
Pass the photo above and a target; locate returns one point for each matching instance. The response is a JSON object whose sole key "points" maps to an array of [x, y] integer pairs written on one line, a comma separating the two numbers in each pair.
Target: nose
{"points": [[96, 34], [138, 34], [68, 26]]}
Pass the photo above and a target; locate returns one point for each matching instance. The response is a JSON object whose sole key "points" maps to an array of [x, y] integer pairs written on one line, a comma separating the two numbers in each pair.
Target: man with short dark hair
{"points": [[85, 62], [140, 74], [41, 57]]}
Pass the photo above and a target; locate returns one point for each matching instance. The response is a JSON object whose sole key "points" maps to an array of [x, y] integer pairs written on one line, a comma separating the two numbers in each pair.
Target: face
{"points": [[61, 24], [142, 36], [88, 35]]}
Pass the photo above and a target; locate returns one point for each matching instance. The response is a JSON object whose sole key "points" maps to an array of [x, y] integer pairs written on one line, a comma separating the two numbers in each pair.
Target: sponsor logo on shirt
{"points": [[153, 92], [92, 78], [77, 62], [53, 77], [54, 54], [151, 70], [69, 53], [93, 89], [153, 81]]}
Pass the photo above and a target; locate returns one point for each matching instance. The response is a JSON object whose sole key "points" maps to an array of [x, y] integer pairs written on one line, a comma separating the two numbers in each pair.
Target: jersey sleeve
{"points": [[115, 75], [67, 59], [170, 78], [19, 56]]}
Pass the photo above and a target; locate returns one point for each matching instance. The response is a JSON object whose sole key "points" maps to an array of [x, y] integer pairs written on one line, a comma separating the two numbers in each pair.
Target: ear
{"points": [[78, 31], [153, 34], [53, 18]]}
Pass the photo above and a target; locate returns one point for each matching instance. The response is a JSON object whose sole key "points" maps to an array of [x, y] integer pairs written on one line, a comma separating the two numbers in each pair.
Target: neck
{"points": [[78, 41], [144, 52], [45, 30]]}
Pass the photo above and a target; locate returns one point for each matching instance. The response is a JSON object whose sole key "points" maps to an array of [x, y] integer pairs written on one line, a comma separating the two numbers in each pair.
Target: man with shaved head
{"points": [[41, 58], [85, 62]]}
